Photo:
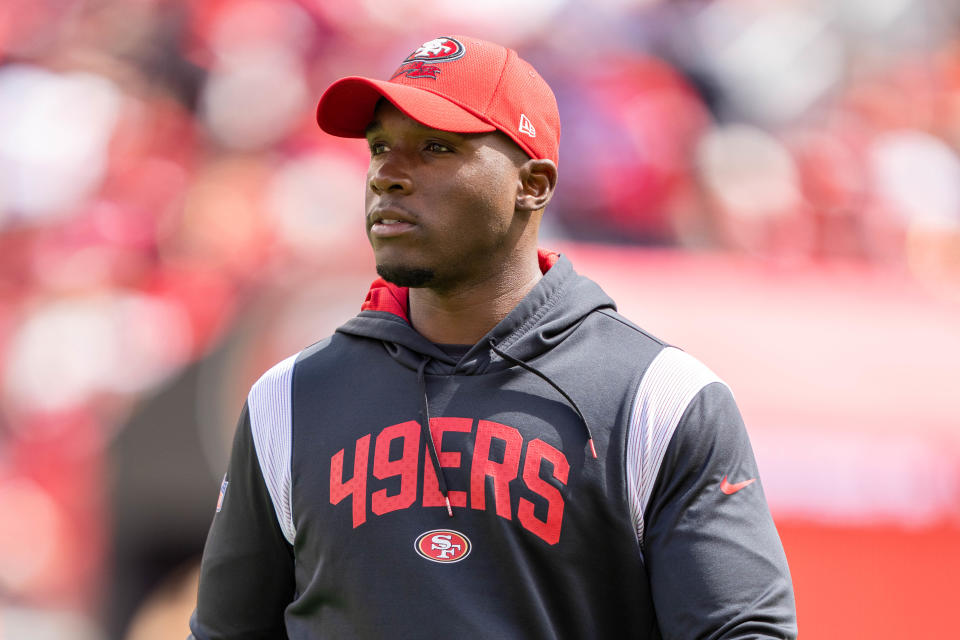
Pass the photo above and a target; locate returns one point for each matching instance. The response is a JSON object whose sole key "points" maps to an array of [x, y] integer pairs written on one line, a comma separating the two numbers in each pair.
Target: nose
{"points": [[387, 176]]}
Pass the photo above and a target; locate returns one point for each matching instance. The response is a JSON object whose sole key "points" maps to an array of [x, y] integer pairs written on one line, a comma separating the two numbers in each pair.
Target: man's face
{"points": [[440, 206]]}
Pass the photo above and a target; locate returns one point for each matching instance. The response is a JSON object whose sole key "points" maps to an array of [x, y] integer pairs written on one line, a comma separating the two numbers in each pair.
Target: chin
{"points": [[406, 276]]}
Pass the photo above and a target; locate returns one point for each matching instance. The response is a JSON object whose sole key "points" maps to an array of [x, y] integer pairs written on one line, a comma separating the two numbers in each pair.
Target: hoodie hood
{"points": [[546, 316]]}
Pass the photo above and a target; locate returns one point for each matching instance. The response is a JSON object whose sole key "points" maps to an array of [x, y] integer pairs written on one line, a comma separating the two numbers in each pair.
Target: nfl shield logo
{"points": [[223, 491]]}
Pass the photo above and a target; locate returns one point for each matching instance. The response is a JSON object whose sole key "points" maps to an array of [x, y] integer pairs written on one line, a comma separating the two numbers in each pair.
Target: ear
{"points": [[537, 181]]}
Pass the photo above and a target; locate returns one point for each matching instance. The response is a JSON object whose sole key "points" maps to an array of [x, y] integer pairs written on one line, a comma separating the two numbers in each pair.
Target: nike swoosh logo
{"points": [[731, 489]]}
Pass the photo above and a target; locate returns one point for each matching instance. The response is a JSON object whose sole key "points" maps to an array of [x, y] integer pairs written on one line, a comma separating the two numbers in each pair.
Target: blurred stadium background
{"points": [[773, 186]]}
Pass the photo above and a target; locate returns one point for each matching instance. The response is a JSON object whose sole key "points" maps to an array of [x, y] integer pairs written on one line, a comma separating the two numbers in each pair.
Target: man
{"points": [[488, 450]]}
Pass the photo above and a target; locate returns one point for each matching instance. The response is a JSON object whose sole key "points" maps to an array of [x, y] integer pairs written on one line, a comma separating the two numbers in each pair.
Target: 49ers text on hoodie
{"points": [[500, 456]]}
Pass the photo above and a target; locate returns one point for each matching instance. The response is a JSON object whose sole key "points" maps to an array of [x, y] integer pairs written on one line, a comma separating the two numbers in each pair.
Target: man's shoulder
{"points": [[608, 334], [628, 327], [660, 361], [316, 354]]}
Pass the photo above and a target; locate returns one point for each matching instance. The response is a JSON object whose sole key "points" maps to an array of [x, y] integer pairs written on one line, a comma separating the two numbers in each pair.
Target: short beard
{"points": [[406, 276]]}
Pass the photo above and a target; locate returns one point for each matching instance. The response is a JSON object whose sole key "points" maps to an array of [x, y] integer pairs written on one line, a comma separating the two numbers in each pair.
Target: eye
{"points": [[437, 147], [376, 148]]}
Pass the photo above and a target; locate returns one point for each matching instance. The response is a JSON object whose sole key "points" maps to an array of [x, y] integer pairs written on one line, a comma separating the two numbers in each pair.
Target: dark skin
{"points": [[455, 217]]}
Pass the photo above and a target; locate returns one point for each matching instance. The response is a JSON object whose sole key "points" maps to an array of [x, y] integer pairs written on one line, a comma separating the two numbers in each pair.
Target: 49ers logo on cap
{"points": [[443, 545], [436, 50]]}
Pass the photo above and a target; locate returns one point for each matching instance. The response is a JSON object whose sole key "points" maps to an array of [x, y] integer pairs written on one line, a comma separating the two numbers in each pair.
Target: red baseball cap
{"points": [[454, 83]]}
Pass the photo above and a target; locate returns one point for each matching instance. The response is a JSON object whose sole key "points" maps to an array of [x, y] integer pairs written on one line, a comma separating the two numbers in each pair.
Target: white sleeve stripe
{"points": [[668, 386], [270, 405]]}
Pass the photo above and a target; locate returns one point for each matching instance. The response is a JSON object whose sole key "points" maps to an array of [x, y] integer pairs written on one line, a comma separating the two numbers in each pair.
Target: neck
{"points": [[466, 314]]}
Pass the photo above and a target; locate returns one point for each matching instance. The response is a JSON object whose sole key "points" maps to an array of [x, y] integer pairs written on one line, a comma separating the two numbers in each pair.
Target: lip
{"points": [[390, 230], [388, 222]]}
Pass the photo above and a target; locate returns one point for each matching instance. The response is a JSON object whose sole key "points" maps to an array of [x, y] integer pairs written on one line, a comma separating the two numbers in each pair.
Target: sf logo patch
{"points": [[443, 545], [418, 64], [437, 50]]}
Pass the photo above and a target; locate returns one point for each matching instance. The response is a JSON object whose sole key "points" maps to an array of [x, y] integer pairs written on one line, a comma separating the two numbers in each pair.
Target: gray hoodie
{"points": [[568, 476]]}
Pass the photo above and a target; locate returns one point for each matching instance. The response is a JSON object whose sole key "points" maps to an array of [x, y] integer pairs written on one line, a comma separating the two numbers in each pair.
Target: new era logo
{"points": [[526, 126]]}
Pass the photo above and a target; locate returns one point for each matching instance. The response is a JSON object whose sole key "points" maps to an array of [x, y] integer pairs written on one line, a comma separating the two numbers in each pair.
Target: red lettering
{"points": [[355, 486], [537, 452], [449, 459], [405, 467], [490, 470], [501, 472]]}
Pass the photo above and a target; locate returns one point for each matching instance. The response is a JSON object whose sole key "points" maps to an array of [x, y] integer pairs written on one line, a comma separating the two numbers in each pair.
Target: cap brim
{"points": [[347, 106]]}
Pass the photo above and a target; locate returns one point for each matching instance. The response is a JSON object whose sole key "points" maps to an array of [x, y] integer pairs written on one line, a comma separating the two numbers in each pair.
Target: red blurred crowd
{"points": [[160, 168]]}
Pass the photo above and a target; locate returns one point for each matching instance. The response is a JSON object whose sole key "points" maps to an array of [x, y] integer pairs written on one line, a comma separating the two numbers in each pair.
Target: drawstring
{"points": [[425, 425], [531, 369], [425, 416]]}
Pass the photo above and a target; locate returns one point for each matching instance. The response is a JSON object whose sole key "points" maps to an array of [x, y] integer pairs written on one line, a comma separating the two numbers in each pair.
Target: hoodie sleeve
{"points": [[716, 564], [247, 571]]}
